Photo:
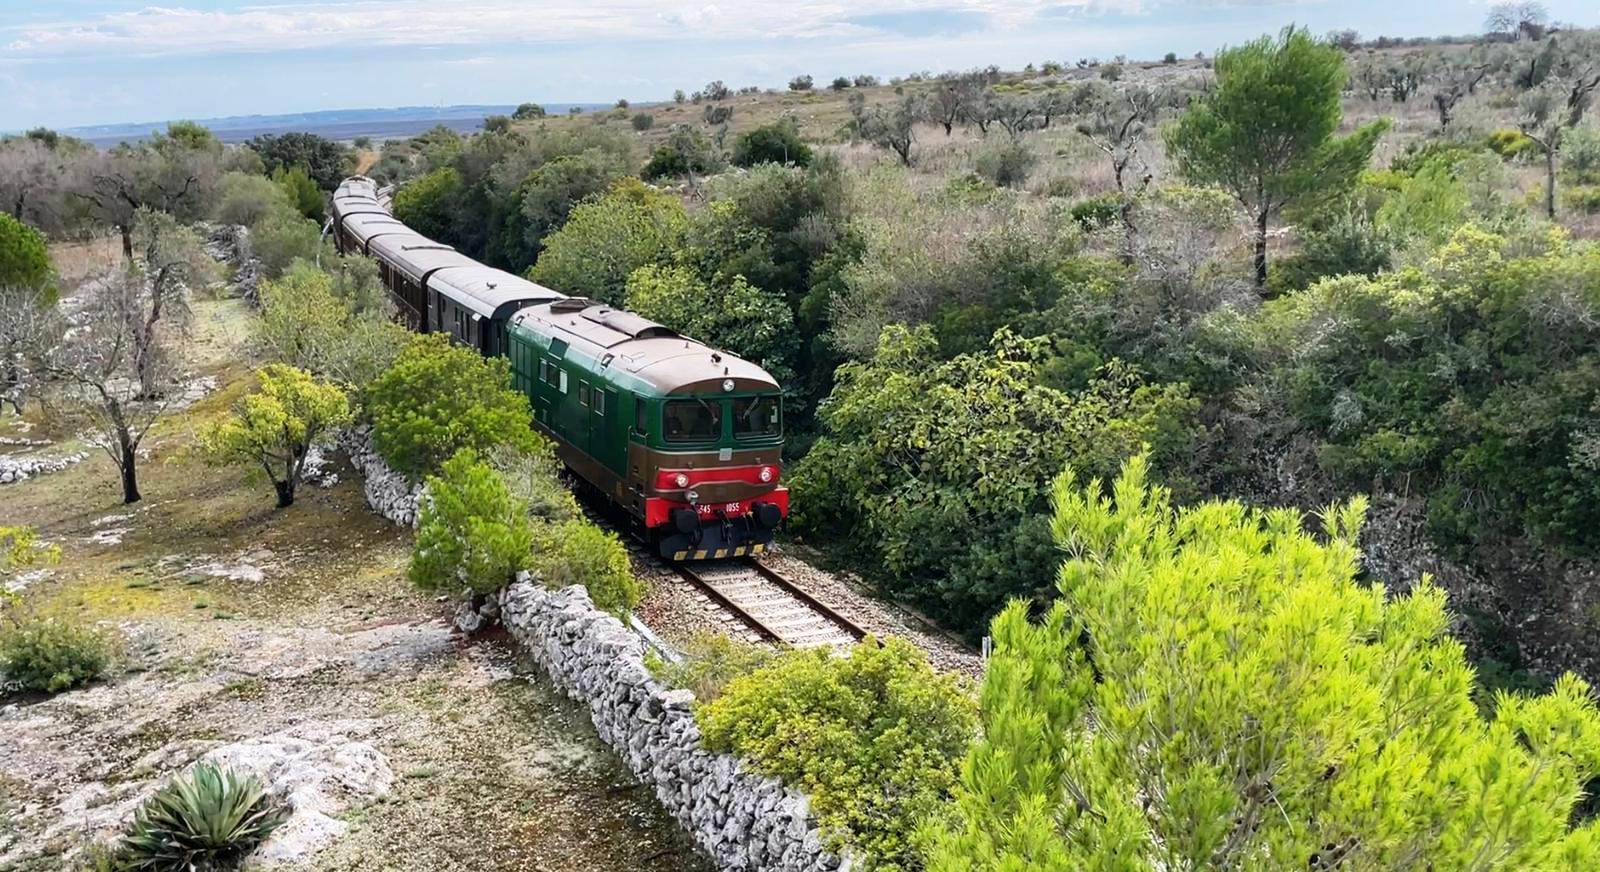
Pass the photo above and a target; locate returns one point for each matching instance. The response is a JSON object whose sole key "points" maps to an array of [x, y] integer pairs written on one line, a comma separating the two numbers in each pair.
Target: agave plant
{"points": [[199, 821]]}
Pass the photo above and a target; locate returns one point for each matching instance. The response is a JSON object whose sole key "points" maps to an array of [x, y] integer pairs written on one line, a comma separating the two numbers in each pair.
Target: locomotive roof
{"points": [[486, 290], [659, 358]]}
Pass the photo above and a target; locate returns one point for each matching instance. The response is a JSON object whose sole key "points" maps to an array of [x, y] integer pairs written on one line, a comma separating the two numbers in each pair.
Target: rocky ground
{"points": [[289, 642]]}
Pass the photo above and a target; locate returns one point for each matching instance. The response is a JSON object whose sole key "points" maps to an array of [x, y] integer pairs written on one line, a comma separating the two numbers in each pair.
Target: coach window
{"points": [[599, 401], [562, 375], [692, 420], [757, 417], [583, 393]]}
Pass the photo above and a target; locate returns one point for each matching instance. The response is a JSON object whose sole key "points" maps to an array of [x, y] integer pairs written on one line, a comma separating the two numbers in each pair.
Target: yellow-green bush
{"points": [[873, 738], [51, 656], [578, 552]]}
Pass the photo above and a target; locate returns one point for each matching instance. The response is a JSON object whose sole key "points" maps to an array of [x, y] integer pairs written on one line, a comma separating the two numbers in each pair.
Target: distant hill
{"points": [[340, 124]]}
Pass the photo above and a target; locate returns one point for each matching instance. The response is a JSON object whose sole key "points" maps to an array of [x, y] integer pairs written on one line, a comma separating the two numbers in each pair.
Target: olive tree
{"points": [[116, 373], [1116, 121], [1265, 133], [166, 176], [275, 425], [890, 126], [1562, 90], [1216, 689]]}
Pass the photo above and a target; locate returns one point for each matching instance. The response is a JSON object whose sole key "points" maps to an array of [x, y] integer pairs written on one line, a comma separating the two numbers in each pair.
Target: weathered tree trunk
{"points": [[128, 462], [127, 241], [1261, 253], [1550, 183]]}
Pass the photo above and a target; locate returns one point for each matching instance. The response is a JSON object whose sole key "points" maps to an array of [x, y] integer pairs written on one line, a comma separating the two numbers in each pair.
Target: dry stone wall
{"points": [[743, 821], [388, 493]]}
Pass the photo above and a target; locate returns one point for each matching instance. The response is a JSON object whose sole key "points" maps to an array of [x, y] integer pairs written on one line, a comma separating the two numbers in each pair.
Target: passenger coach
{"points": [[683, 438]]}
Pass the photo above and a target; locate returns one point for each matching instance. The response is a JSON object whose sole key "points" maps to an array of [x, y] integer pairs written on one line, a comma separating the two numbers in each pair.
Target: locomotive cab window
{"points": [[757, 417], [641, 414], [692, 420]]}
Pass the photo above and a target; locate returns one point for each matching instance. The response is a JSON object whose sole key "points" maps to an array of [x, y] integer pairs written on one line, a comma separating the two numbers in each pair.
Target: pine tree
{"points": [[1215, 690]]}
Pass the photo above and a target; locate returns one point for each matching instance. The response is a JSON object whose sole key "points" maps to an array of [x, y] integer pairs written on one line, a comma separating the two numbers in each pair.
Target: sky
{"points": [[66, 63]]}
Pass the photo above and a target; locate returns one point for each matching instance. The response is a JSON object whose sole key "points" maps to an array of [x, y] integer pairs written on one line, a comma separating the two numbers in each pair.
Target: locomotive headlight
{"points": [[681, 480], [727, 384], [766, 474]]}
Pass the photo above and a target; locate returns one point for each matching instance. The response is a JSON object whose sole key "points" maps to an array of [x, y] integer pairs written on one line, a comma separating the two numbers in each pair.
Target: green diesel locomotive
{"points": [[685, 440]]}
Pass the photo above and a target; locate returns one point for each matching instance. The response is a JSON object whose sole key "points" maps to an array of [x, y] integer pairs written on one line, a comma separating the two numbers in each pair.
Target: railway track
{"points": [[750, 594], [774, 607]]}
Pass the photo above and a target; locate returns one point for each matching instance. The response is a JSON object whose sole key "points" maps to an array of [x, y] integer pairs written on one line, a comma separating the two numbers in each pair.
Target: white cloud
{"points": [[175, 30]]}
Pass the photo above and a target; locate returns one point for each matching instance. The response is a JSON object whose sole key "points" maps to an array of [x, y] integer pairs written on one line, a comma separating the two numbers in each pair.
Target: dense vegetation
{"points": [[1214, 689]]}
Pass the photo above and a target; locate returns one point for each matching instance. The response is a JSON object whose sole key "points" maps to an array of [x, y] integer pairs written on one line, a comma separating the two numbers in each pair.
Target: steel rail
{"points": [[804, 596]]}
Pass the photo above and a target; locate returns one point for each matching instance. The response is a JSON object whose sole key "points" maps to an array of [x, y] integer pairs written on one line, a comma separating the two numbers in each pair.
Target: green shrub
{"points": [[934, 472], [1341, 241], [50, 656], [1445, 152], [777, 143], [248, 199], [1464, 378], [605, 239], [24, 258], [334, 325], [302, 192], [1097, 212], [1511, 143], [710, 661], [737, 317], [1580, 155], [204, 819], [533, 478], [642, 121], [687, 150], [471, 532], [438, 399], [1006, 161], [578, 552], [283, 237], [1585, 199], [429, 204], [873, 739]]}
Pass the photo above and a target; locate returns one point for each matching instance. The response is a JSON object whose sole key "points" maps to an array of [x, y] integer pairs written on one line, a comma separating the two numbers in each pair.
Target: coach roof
{"points": [[487, 290]]}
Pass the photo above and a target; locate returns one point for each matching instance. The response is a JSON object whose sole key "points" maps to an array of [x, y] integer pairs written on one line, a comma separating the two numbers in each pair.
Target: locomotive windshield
{"points": [[756, 416], [692, 420]]}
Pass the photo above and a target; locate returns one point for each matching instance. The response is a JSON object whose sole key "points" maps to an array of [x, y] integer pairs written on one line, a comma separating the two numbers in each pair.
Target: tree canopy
{"points": [[1266, 133], [437, 399], [1215, 689]]}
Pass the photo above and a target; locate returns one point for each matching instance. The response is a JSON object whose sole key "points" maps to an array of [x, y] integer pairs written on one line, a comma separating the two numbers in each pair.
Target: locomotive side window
{"points": [[756, 417], [583, 393], [599, 401], [641, 415], [692, 420]]}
